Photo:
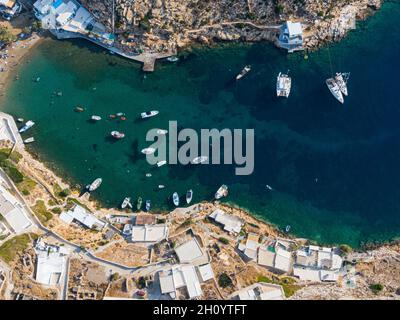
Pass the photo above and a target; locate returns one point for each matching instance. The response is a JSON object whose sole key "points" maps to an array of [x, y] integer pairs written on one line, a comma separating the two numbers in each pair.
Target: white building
{"points": [[230, 223], [250, 247], [275, 257], [149, 233], [260, 291], [83, 216], [51, 263], [178, 277], [13, 211], [191, 252], [291, 36], [317, 264]]}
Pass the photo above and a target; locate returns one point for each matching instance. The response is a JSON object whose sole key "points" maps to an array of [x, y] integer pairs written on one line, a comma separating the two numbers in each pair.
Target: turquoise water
{"points": [[353, 150]]}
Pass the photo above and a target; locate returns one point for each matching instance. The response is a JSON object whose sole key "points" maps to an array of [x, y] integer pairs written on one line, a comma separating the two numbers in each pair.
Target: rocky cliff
{"points": [[158, 25]]}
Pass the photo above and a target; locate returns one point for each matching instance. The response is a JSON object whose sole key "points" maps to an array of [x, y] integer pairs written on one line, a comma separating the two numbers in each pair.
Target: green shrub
{"points": [[41, 211], [224, 280], [376, 287], [56, 210], [223, 240], [10, 248]]}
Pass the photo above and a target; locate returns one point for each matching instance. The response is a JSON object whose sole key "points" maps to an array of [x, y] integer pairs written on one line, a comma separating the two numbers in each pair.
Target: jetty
{"points": [[9, 131]]}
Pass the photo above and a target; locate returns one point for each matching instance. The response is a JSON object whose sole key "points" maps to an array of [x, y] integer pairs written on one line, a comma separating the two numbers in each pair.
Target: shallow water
{"points": [[334, 168]]}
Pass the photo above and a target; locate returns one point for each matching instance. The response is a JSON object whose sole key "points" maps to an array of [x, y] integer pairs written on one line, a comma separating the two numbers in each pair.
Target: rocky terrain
{"points": [[158, 25]]}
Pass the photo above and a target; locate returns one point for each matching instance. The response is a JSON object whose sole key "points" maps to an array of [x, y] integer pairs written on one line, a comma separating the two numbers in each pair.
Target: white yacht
{"points": [[161, 163], [334, 89], [148, 150], [28, 124], [126, 203], [149, 114], [162, 131], [283, 85], [199, 160], [221, 192], [341, 80], [94, 185], [244, 71]]}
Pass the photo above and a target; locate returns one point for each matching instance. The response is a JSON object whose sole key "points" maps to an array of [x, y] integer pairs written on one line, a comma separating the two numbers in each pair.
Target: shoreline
{"points": [[44, 170]]}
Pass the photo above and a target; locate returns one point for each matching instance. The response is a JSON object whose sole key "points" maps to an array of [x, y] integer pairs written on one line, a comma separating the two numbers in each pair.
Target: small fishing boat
{"points": [[123, 118], [95, 118], [161, 131], [268, 187], [199, 160], [20, 120], [148, 175], [173, 59], [37, 79], [149, 114], [112, 116], [94, 185], [287, 228], [120, 114], [29, 124], [221, 192], [334, 89], [244, 71], [117, 134], [175, 199], [161, 186], [126, 203], [161, 163], [29, 140], [283, 85], [139, 203], [79, 109], [189, 196], [148, 205], [148, 150]]}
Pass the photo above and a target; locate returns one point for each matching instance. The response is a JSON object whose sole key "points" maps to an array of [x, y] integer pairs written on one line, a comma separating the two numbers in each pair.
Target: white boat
{"points": [[221, 192], [94, 185], [199, 160], [175, 199], [148, 150], [334, 89], [173, 59], [161, 131], [161, 186], [117, 134], [283, 85], [189, 196], [244, 71], [29, 140], [20, 120], [269, 187], [341, 80], [95, 118], [126, 203], [161, 163], [149, 114], [28, 124], [148, 175], [120, 114]]}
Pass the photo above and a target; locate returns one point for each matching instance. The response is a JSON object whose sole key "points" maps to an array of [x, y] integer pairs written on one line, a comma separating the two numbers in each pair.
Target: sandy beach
{"points": [[17, 50]]}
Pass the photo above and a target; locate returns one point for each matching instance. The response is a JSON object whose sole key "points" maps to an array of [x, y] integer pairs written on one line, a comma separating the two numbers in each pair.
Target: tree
{"points": [[6, 36], [224, 280]]}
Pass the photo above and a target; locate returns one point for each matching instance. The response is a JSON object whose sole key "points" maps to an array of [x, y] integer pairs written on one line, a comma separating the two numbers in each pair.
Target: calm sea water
{"points": [[352, 150]]}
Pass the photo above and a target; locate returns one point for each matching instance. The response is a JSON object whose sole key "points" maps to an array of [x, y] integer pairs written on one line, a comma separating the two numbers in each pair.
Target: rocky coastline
{"points": [[161, 25]]}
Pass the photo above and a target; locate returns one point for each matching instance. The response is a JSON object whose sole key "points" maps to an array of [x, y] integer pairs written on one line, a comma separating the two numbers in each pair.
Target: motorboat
{"points": [[29, 124], [148, 205], [161, 186], [149, 114], [244, 71], [117, 134], [221, 192], [199, 160], [173, 59], [161, 132], [94, 185], [79, 109], [148, 150], [161, 163], [126, 203], [139, 203], [29, 140], [175, 199], [95, 118], [189, 196]]}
